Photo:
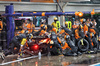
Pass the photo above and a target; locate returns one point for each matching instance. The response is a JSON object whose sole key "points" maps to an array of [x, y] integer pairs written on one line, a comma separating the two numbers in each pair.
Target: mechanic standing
{"points": [[25, 25], [56, 24], [87, 34], [30, 26]]}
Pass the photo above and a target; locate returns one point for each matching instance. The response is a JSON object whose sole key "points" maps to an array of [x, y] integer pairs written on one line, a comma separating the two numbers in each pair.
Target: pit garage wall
{"points": [[81, 7], [35, 7], [31, 7], [49, 7]]}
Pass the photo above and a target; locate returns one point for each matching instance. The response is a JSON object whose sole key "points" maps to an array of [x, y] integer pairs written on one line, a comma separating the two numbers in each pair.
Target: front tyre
{"points": [[83, 46]]}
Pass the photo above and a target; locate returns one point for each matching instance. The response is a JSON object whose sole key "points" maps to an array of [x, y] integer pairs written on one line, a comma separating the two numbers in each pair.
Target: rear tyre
{"points": [[84, 47], [15, 51], [54, 51]]}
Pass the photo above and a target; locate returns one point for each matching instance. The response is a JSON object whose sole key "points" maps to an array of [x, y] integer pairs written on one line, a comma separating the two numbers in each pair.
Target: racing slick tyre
{"points": [[72, 46], [65, 51], [73, 38], [54, 51], [10, 51], [44, 49], [83, 47], [16, 49], [95, 50]]}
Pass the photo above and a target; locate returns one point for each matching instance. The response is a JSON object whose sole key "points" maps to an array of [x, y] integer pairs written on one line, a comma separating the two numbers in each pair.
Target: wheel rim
{"points": [[84, 46]]}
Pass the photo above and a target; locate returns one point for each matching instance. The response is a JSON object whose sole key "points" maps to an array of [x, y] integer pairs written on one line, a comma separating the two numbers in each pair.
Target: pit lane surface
{"points": [[83, 60]]}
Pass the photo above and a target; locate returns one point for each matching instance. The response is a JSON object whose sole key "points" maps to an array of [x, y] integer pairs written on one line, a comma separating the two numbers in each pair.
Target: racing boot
{"points": [[79, 53], [69, 53], [2, 54], [94, 51], [90, 51], [60, 53], [20, 55]]}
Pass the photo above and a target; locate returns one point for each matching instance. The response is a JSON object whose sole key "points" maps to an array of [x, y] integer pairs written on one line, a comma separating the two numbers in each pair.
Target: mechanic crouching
{"points": [[69, 48], [87, 34], [93, 37], [17, 44], [41, 31], [54, 45]]}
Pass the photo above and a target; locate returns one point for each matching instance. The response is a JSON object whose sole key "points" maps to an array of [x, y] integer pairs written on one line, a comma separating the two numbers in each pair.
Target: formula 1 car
{"points": [[34, 47]]}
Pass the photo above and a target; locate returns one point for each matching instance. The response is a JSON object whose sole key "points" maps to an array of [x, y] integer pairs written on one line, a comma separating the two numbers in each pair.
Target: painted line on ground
{"points": [[18, 60], [97, 64]]}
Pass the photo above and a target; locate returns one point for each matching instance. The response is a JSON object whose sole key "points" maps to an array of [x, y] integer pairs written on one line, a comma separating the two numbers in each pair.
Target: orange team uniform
{"points": [[42, 32], [63, 31], [1, 25], [85, 28], [20, 32], [92, 30], [66, 46], [58, 41], [30, 27], [74, 26], [77, 34]]}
